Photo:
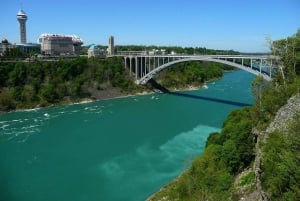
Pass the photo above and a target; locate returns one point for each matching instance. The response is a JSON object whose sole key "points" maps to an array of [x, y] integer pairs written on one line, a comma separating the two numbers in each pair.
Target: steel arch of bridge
{"points": [[146, 66]]}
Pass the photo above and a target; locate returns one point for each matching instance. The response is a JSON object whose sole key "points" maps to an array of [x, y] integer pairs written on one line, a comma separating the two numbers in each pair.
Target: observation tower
{"points": [[22, 18]]}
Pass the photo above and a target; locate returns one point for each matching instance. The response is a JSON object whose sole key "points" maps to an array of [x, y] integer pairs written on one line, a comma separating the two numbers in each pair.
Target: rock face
{"points": [[285, 114], [280, 122]]}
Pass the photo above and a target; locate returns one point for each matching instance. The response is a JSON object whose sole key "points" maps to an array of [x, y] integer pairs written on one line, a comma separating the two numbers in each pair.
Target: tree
{"points": [[17, 77], [258, 87], [6, 100], [289, 51]]}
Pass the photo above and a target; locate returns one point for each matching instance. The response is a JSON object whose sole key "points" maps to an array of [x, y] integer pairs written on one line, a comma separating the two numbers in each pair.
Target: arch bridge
{"points": [[144, 66]]}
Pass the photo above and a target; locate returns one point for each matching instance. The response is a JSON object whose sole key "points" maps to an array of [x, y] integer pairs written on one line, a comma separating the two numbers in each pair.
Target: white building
{"points": [[94, 51], [59, 44]]}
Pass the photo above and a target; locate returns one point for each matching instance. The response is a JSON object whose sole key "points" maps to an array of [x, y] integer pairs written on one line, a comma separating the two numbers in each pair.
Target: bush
{"points": [[281, 173]]}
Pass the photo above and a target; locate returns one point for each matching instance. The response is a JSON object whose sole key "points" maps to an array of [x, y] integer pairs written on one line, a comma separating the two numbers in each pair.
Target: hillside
{"points": [[25, 85], [285, 127], [256, 155]]}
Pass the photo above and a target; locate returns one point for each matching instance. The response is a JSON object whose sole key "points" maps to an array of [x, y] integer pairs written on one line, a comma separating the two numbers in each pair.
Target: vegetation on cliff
{"points": [[212, 175], [44, 83], [280, 170], [41, 83], [193, 73]]}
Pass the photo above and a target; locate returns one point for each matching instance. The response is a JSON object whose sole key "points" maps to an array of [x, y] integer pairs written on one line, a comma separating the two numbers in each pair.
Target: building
{"points": [[94, 51], [111, 46], [5, 45], [59, 44], [29, 49], [22, 18]]}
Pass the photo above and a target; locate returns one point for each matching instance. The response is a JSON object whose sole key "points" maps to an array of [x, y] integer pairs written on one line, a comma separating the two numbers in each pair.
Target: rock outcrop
{"points": [[281, 121]]}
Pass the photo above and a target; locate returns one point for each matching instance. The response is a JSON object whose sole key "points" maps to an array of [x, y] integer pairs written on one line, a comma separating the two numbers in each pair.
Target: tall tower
{"points": [[22, 18], [111, 46]]}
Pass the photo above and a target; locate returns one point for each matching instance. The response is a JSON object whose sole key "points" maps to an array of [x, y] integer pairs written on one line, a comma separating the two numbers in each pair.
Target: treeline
{"points": [[193, 73], [170, 49], [212, 176], [177, 49], [42, 83]]}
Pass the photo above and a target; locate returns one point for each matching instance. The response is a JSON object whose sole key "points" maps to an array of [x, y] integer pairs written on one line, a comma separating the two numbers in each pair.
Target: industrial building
{"points": [[59, 44]]}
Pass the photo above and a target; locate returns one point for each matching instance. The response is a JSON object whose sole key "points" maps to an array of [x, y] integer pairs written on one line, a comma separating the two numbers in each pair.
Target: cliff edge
{"points": [[284, 115]]}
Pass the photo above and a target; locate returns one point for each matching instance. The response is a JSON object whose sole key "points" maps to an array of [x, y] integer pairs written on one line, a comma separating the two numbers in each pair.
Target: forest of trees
{"points": [[44, 83], [177, 49], [212, 175], [193, 73]]}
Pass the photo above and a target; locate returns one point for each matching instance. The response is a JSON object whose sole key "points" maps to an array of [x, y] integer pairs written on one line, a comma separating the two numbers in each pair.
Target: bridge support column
{"points": [[271, 69], [260, 65], [136, 68], [130, 66], [141, 68], [145, 65], [149, 64], [125, 62], [149, 68]]}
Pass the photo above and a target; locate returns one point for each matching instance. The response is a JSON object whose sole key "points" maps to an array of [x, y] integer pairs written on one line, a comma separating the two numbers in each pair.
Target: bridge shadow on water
{"points": [[157, 86]]}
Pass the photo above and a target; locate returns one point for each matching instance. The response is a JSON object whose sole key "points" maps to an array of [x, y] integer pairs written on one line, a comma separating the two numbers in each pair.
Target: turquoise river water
{"points": [[121, 149]]}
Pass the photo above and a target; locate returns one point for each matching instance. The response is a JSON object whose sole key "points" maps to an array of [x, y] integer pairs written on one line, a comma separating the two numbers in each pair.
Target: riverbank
{"points": [[107, 94], [43, 84], [120, 152]]}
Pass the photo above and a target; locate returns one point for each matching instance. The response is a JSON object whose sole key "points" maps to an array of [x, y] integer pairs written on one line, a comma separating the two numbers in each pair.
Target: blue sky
{"points": [[218, 24]]}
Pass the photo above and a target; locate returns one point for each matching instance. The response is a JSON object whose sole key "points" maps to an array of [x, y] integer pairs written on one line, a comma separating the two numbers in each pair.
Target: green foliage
{"points": [[248, 179], [214, 138], [271, 98], [17, 75], [43, 83], [237, 140], [189, 73], [289, 51], [177, 49], [258, 87], [210, 176], [7, 101], [281, 173], [26, 85], [207, 179]]}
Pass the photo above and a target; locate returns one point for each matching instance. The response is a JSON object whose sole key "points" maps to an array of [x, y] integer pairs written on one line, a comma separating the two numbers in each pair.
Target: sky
{"points": [[240, 25]]}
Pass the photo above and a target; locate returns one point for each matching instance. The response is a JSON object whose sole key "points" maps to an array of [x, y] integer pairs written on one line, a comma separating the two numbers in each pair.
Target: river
{"points": [[113, 150]]}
